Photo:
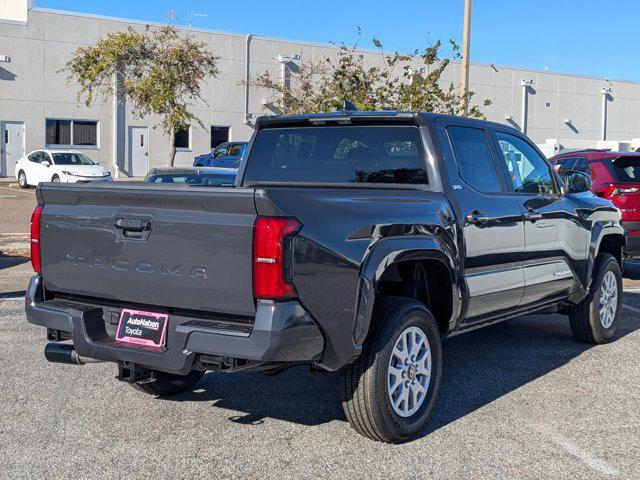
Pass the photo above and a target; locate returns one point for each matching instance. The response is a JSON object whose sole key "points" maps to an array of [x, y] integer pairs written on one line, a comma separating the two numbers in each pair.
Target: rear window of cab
{"points": [[344, 154]]}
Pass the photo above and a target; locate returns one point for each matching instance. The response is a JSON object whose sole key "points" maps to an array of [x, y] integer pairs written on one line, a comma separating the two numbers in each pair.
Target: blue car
{"points": [[225, 155]]}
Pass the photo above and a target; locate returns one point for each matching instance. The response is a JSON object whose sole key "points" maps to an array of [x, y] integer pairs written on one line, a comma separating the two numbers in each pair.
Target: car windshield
{"points": [[349, 154], [627, 168], [197, 179], [71, 159]]}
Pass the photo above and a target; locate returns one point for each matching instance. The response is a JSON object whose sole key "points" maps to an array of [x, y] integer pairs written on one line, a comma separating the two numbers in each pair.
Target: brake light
{"points": [[35, 238], [269, 243], [609, 190]]}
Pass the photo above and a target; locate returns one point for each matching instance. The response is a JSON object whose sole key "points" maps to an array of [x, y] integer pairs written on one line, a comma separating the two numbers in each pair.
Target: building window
{"points": [[219, 135], [71, 132], [181, 140]]}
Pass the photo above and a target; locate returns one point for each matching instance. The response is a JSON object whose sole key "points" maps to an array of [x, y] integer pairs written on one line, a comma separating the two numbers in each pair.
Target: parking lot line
{"points": [[17, 191], [578, 452]]}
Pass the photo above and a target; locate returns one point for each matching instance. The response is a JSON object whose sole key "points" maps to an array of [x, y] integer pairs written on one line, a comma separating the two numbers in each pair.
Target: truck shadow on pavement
{"points": [[480, 366], [8, 261]]}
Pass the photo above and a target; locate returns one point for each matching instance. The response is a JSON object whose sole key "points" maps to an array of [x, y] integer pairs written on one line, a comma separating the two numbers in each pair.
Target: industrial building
{"points": [[38, 108]]}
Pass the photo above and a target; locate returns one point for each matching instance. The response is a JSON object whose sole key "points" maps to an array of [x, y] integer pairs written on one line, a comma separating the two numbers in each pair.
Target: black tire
{"points": [[55, 179], [585, 317], [164, 384], [22, 179], [364, 383]]}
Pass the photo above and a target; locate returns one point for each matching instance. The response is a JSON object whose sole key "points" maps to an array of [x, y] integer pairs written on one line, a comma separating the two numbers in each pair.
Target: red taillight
{"points": [[35, 238], [269, 238], [609, 190]]}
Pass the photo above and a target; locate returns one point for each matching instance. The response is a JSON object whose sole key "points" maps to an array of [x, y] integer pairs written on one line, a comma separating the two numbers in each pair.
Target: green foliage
{"points": [[395, 81], [159, 72]]}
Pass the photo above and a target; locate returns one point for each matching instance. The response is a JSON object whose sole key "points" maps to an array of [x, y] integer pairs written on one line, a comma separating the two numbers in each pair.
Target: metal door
{"points": [[138, 151], [12, 146]]}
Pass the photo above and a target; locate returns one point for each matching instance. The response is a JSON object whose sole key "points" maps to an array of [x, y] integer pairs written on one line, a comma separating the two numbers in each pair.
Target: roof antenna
{"points": [[348, 106]]}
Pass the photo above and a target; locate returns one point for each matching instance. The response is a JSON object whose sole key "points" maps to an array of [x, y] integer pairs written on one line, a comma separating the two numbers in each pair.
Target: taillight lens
{"points": [[609, 190], [35, 238], [269, 241]]}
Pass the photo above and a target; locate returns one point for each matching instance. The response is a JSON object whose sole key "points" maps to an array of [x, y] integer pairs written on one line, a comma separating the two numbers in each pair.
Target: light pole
{"points": [[466, 34]]}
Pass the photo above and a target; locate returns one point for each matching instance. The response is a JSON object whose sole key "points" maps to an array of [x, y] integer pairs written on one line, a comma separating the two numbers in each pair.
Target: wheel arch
{"points": [[404, 267], [607, 238]]}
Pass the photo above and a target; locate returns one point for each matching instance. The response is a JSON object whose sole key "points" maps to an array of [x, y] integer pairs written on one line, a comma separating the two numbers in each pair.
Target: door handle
{"points": [[133, 228], [477, 217], [133, 224], [532, 215]]}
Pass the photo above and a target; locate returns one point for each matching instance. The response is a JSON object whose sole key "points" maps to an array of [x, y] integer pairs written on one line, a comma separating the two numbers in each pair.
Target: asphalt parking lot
{"points": [[519, 400], [16, 206]]}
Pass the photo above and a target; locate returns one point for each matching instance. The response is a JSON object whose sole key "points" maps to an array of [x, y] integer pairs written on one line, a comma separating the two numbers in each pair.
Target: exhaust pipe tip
{"points": [[62, 353]]}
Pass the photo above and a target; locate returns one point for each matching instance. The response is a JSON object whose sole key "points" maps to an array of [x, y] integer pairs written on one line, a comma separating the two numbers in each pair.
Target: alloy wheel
{"points": [[409, 372], [608, 299]]}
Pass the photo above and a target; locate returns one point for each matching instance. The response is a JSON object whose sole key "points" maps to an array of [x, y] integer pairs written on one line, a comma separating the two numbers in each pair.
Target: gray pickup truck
{"points": [[352, 242]]}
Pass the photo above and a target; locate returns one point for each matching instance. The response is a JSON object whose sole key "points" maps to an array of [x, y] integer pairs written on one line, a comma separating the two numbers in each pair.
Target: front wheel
{"points": [[596, 318], [389, 392], [55, 179]]}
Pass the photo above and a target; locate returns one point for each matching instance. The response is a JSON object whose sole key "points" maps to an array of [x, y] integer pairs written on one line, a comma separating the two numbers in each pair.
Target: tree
{"points": [[159, 71], [400, 82]]}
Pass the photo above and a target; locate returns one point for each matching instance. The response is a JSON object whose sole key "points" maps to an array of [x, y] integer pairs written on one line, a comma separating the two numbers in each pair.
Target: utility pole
{"points": [[466, 34]]}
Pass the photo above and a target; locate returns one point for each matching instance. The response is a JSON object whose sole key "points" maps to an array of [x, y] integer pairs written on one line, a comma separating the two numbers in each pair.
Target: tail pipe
{"points": [[64, 353]]}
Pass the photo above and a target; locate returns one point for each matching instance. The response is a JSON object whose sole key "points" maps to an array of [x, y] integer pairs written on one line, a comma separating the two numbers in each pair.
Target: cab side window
{"points": [[563, 164], [235, 150], [528, 170], [581, 165], [221, 150], [475, 162], [35, 157]]}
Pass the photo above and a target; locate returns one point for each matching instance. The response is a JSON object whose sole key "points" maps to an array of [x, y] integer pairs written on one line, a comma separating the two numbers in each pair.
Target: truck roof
{"points": [[348, 116]]}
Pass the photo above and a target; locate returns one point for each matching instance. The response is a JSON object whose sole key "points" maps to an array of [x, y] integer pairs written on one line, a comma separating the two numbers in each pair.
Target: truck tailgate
{"points": [[158, 245]]}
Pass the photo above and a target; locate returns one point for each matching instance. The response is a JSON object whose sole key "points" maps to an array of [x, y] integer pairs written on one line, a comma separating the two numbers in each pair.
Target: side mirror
{"points": [[46, 163], [577, 182]]}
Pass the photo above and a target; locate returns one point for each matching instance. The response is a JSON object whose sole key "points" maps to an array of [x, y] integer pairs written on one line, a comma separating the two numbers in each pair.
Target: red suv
{"points": [[614, 176]]}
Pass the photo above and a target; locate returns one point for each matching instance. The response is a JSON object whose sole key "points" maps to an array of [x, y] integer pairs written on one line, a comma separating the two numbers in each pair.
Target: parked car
{"points": [[354, 242], [614, 176], [226, 155], [58, 166], [198, 176]]}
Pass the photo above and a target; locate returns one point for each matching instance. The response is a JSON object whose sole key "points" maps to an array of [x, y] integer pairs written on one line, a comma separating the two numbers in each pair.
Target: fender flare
{"points": [[385, 253], [599, 230]]}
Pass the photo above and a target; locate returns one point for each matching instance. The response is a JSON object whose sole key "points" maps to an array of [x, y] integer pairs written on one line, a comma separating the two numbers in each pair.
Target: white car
{"points": [[58, 166]]}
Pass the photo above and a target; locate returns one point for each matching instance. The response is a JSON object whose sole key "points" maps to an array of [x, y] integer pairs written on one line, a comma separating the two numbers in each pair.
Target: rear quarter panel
{"points": [[342, 228]]}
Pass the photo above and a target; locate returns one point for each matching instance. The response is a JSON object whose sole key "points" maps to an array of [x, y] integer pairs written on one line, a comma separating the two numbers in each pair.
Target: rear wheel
{"points": [[596, 318], [22, 179], [55, 179], [389, 392], [163, 383]]}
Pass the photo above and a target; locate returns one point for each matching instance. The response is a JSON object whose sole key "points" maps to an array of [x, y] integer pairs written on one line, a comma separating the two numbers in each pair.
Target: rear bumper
{"points": [[282, 332]]}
